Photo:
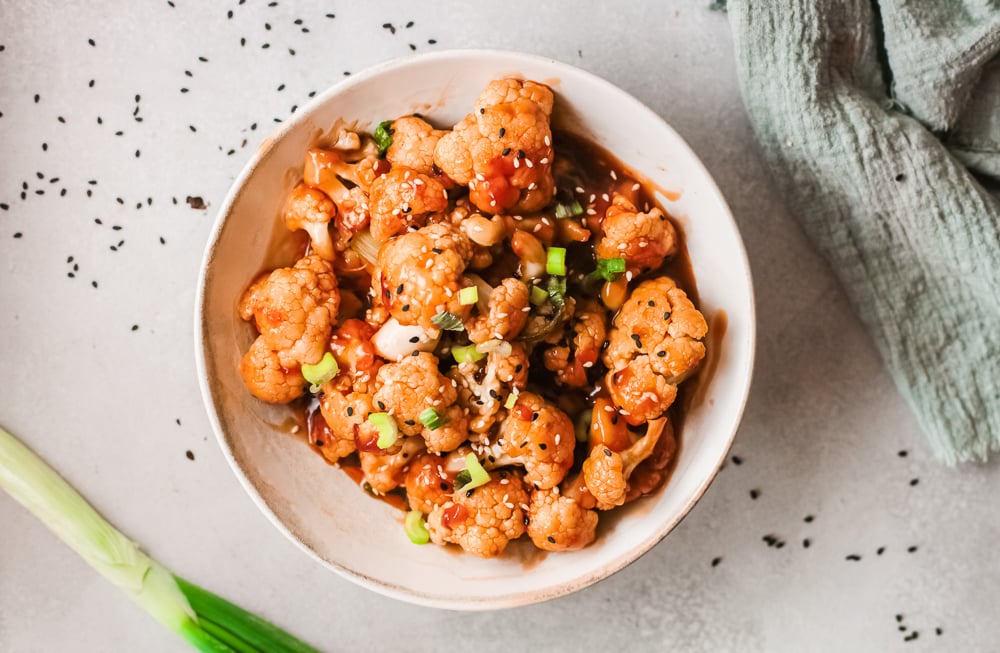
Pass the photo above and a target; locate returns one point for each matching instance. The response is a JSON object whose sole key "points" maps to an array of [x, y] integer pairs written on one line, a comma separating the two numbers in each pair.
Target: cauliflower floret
{"points": [[539, 436], [325, 170], [559, 523], [483, 386], [329, 431], [642, 239], [352, 346], [311, 210], [606, 472], [385, 472], [413, 143], [503, 149], [293, 309], [655, 344], [403, 198], [428, 483], [482, 521], [506, 316], [571, 362], [420, 273], [265, 376], [414, 384], [346, 415], [652, 472]]}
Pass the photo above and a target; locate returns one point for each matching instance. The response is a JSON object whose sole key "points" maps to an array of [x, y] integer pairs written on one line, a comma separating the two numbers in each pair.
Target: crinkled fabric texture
{"points": [[880, 122]]}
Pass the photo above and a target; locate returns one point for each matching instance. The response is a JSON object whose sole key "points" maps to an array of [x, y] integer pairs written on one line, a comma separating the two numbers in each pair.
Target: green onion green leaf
{"points": [[383, 137], [468, 296], [568, 210], [432, 419], [556, 261], [415, 527], [609, 269], [466, 354], [321, 372], [388, 430], [472, 476], [538, 296], [448, 321]]}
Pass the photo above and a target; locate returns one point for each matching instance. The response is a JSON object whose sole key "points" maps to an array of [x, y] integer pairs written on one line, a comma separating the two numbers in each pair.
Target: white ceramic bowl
{"points": [[319, 507]]}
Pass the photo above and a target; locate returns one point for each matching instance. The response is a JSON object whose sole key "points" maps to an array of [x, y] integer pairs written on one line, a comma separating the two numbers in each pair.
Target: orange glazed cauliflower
{"points": [[293, 309], [571, 361], [413, 143], [655, 344], [429, 483], [403, 198], [506, 316], [557, 522], [420, 273], [642, 239], [266, 378], [503, 149], [311, 210], [386, 471], [540, 437], [606, 472], [482, 521]]}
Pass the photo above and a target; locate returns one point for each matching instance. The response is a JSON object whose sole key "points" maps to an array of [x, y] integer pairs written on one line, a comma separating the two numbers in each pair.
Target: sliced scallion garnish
{"points": [[415, 527], [466, 354], [538, 296], [321, 372], [448, 321], [568, 210], [511, 400], [468, 296], [432, 419], [609, 268], [388, 430], [383, 137], [556, 261], [472, 476]]}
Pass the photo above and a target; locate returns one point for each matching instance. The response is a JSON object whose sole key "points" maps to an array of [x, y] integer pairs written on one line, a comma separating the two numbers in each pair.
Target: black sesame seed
{"points": [[406, 307], [135, 327], [754, 494], [543, 446], [409, 422], [525, 520], [902, 453], [469, 493], [778, 545], [880, 550], [716, 561], [938, 632], [666, 315], [914, 481], [17, 234], [482, 111], [808, 519], [319, 443], [638, 342], [399, 289], [494, 394], [607, 452], [502, 132], [505, 152], [737, 460], [853, 557], [417, 353], [37, 98], [93, 283], [437, 250], [551, 539], [415, 339], [806, 543], [911, 549], [534, 416], [189, 454], [661, 354], [412, 47], [380, 405], [350, 411], [518, 368]]}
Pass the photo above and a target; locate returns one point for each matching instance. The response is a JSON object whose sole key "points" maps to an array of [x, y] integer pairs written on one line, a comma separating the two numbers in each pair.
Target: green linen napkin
{"points": [[880, 121]]}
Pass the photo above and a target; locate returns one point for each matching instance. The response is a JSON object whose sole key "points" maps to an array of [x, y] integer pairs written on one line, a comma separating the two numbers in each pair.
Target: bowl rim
{"points": [[211, 400]]}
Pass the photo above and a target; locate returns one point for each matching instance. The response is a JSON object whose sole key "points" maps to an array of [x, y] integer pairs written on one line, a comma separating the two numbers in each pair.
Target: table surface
{"points": [[112, 116]]}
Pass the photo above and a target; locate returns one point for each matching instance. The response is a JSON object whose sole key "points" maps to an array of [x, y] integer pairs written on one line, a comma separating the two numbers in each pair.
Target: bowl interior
{"points": [[318, 506]]}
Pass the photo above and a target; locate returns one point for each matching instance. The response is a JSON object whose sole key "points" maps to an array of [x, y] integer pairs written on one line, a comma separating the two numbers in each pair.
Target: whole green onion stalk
{"points": [[208, 622]]}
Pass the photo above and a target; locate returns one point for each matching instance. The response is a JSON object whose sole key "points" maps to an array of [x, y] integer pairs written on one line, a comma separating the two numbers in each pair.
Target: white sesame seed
{"points": [[517, 163], [548, 141], [614, 176], [498, 336], [635, 186], [623, 411], [395, 211], [493, 203], [510, 506], [537, 228], [501, 315], [418, 182], [591, 212], [440, 388], [628, 275], [544, 160], [622, 246], [528, 163], [524, 506], [579, 190], [605, 197], [609, 409], [480, 177], [555, 490], [546, 221], [588, 364], [430, 263], [643, 243], [558, 438], [531, 186]]}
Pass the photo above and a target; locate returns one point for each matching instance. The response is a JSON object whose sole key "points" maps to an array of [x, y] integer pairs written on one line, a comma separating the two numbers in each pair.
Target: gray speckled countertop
{"points": [[830, 529]]}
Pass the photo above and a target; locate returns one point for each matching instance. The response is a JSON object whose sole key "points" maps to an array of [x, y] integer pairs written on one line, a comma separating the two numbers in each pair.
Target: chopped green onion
{"points": [[208, 622], [383, 137], [468, 296], [538, 296], [366, 246], [415, 527], [448, 321], [472, 476], [609, 268], [568, 210], [321, 372], [432, 419], [557, 292], [388, 431], [511, 400], [466, 354], [556, 262]]}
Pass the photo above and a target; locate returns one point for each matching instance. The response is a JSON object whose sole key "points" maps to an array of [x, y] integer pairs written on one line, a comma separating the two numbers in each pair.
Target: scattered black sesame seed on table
{"points": [[911, 549], [178, 420], [879, 551], [737, 460], [902, 453], [914, 481], [754, 494], [135, 327], [806, 543], [808, 519], [854, 557], [716, 561], [189, 454]]}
